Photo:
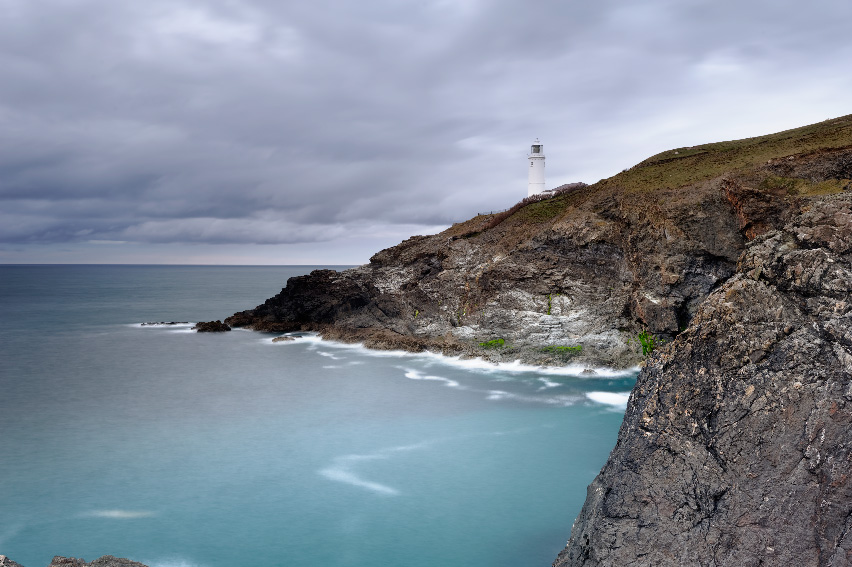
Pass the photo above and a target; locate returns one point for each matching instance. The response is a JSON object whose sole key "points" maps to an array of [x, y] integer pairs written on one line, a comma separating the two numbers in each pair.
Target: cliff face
{"points": [[590, 267], [736, 448]]}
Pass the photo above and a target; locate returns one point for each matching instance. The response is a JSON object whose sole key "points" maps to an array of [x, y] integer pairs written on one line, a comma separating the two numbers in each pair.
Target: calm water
{"points": [[179, 449]]}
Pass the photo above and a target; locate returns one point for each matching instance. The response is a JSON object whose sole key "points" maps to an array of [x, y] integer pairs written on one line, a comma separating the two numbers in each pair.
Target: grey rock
{"points": [[736, 447]]}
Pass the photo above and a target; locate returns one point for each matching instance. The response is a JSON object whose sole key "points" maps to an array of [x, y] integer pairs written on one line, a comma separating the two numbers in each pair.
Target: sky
{"points": [[284, 132]]}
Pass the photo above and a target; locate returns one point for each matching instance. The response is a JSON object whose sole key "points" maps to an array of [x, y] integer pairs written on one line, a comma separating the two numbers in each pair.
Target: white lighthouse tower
{"points": [[536, 159]]}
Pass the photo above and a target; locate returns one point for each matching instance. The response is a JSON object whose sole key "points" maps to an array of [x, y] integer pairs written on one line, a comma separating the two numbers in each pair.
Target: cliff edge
{"points": [[574, 278], [736, 447]]}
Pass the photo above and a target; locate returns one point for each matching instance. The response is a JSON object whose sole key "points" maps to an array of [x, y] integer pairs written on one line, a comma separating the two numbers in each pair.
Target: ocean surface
{"points": [[180, 449]]}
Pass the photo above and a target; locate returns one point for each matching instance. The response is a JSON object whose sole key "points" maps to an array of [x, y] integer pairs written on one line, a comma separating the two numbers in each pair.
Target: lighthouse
{"points": [[536, 178]]}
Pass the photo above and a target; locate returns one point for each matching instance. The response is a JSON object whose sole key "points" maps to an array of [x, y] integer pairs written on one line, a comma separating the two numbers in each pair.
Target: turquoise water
{"points": [[182, 449]]}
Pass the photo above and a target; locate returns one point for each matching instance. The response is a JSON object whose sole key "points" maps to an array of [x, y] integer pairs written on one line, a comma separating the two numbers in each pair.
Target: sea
{"points": [[180, 449]]}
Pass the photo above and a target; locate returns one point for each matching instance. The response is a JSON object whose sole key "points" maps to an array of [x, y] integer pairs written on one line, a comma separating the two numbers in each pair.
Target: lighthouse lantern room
{"points": [[536, 177]]}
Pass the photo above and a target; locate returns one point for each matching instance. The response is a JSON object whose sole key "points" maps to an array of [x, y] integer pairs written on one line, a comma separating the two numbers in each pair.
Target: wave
{"points": [[614, 399]]}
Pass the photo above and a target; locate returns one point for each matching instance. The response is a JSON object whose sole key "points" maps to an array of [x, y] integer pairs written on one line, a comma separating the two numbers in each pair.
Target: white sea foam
{"points": [[120, 514], [349, 477], [480, 364], [343, 468], [548, 384], [416, 375], [329, 355], [615, 399], [564, 401]]}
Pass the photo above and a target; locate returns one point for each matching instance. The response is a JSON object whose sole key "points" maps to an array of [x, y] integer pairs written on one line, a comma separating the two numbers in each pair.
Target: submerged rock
{"points": [[736, 448], [211, 327]]}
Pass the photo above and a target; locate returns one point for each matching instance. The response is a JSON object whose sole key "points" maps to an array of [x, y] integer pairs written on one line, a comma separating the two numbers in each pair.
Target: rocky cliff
{"points": [[590, 267], [736, 448]]}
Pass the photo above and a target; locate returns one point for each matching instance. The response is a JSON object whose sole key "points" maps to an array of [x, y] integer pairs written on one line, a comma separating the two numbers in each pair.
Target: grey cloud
{"points": [[279, 122]]}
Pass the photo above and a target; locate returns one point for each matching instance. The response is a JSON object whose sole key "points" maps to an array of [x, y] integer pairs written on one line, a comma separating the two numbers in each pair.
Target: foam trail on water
{"points": [[415, 375], [342, 470], [615, 399], [328, 355], [548, 384], [120, 514], [561, 401], [349, 477]]}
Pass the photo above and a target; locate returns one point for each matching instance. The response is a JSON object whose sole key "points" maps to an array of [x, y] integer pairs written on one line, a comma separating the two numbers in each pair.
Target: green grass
{"points": [[682, 166], [494, 343], [563, 350]]}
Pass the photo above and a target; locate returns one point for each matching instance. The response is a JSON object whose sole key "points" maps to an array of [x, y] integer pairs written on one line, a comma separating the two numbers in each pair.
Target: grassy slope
{"points": [[685, 166]]}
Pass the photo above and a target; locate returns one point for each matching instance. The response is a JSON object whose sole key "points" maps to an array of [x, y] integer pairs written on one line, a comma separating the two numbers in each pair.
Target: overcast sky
{"points": [[318, 132]]}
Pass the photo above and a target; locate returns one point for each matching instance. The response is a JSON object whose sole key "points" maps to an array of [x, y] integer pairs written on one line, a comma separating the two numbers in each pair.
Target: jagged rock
{"points": [[59, 561], [164, 323], [736, 447], [110, 561], [105, 561], [282, 339], [211, 327], [592, 266], [6, 562]]}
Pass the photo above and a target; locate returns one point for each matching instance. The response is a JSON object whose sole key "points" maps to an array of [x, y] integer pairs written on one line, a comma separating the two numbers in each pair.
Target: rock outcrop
{"points": [[590, 267], [211, 327], [736, 448]]}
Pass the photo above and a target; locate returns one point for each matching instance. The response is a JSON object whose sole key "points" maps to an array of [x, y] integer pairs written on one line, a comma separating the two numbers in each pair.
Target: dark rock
{"points": [[110, 561], [59, 561], [165, 323], [6, 562], [282, 339], [735, 447], [105, 561], [211, 327]]}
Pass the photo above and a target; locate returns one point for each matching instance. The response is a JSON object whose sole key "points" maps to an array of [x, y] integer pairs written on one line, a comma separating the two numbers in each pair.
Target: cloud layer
{"points": [[217, 122]]}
